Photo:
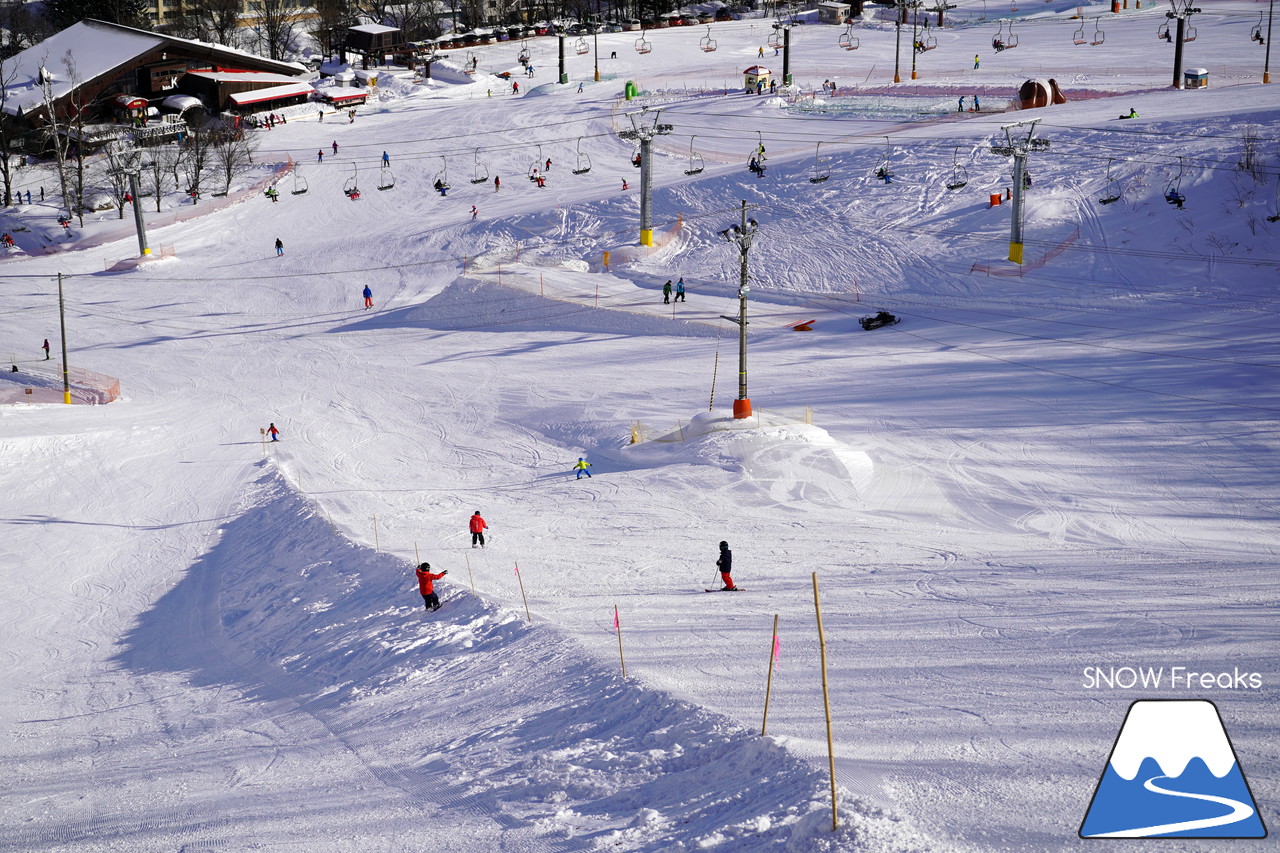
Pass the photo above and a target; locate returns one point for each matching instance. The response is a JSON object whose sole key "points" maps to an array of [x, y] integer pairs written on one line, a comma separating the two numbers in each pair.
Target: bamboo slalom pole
{"points": [[527, 614], [768, 685], [826, 704], [470, 575], [617, 626], [376, 548], [417, 560]]}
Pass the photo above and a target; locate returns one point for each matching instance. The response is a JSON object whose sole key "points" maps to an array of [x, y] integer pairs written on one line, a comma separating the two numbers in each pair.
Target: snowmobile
{"points": [[880, 318]]}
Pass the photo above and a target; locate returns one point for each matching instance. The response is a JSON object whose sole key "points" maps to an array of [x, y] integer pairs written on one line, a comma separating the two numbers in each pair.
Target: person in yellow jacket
{"points": [[581, 467]]}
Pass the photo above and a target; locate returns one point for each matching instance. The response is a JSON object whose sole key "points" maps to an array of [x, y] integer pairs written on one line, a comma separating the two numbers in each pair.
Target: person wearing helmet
{"points": [[581, 467], [478, 527], [426, 579], [725, 564]]}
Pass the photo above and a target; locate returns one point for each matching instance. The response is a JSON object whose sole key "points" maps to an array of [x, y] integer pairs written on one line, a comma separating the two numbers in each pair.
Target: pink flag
{"points": [[616, 627], [517, 568], [777, 650]]}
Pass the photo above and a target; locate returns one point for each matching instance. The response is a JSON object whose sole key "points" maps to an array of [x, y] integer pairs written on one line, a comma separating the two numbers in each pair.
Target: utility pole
{"points": [[62, 322], [915, 38], [1266, 63], [1181, 16], [595, 36], [897, 44], [564, 78], [1018, 150], [742, 235], [644, 134], [786, 56]]}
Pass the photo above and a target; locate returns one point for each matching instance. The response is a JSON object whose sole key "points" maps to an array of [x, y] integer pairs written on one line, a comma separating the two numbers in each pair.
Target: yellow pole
{"points": [[527, 614], [768, 685], [826, 702], [617, 625]]}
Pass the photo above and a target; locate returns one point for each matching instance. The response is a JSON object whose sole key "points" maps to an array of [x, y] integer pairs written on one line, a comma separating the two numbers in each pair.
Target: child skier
{"points": [[581, 467], [273, 432], [725, 564], [368, 298], [478, 527], [426, 586]]}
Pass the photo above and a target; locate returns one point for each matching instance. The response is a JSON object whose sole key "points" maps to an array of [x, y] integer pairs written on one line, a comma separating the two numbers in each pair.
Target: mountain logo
{"points": [[1172, 774]]}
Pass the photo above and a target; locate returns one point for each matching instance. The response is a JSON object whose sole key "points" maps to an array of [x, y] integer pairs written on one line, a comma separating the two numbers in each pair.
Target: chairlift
{"points": [[755, 161], [1162, 31], [707, 43], [481, 173], [821, 170], [299, 182], [580, 46], [1256, 35], [885, 170], [1173, 195], [386, 180], [775, 40], [635, 157], [643, 45], [1001, 40], [1190, 34], [1079, 37], [1013, 6], [959, 174], [1112, 192], [442, 176], [848, 40], [351, 188], [538, 166], [695, 160], [1098, 35], [524, 56], [584, 161], [929, 43], [473, 62]]}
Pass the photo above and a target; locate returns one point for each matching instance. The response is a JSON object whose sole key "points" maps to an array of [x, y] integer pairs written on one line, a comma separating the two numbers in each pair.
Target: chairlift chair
{"points": [[1013, 6], [1098, 35], [299, 182], [1162, 31], [775, 40], [538, 166], [1079, 37], [820, 166], [930, 43], [524, 56], [707, 43], [386, 180], [1190, 34], [580, 46], [848, 40], [1173, 195], [695, 160], [1112, 192], [1256, 34], [480, 174], [351, 186], [584, 161], [884, 171], [959, 174], [635, 157], [643, 45]]}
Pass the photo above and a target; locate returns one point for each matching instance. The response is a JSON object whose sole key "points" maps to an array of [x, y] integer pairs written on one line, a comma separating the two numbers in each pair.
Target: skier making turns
{"points": [[426, 580]]}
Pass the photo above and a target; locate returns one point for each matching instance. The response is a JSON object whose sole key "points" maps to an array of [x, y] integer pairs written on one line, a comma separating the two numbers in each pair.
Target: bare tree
{"points": [[195, 161], [20, 28], [231, 153], [277, 25], [216, 20], [8, 72], [163, 161], [79, 108], [58, 140]]}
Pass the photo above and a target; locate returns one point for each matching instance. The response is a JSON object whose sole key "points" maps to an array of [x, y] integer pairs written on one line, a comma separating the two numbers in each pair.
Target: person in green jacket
{"points": [[666, 293], [581, 467]]}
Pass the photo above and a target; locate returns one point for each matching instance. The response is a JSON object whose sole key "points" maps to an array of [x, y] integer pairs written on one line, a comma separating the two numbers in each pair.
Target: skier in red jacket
{"points": [[426, 579], [478, 527]]}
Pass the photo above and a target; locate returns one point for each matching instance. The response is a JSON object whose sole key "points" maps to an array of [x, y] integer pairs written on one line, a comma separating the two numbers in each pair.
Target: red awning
{"points": [[274, 93], [338, 99], [129, 102]]}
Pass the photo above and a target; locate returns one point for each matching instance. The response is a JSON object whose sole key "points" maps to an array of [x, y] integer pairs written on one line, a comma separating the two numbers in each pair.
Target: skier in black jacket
{"points": [[725, 564]]}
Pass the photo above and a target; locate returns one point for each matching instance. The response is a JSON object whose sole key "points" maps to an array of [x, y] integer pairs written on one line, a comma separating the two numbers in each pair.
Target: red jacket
{"points": [[477, 524], [424, 581]]}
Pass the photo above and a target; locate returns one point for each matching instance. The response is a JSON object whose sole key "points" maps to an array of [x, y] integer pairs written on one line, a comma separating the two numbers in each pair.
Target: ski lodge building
{"points": [[121, 75]]}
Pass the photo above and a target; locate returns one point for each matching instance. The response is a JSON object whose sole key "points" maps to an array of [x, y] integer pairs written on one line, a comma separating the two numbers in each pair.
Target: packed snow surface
{"points": [[1041, 482]]}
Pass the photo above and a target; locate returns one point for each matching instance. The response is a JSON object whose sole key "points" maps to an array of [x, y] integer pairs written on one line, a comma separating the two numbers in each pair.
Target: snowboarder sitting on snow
{"points": [[725, 564], [426, 579], [581, 467], [477, 526], [1132, 113]]}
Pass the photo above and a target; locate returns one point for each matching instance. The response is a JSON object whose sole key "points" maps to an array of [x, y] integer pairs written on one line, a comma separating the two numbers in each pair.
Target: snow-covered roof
{"points": [[181, 103], [98, 48], [373, 29], [271, 94], [339, 96], [243, 77]]}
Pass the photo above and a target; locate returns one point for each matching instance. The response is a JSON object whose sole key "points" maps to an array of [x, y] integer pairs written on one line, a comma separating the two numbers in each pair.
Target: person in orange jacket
{"points": [[426, 581], [478, 527]]}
